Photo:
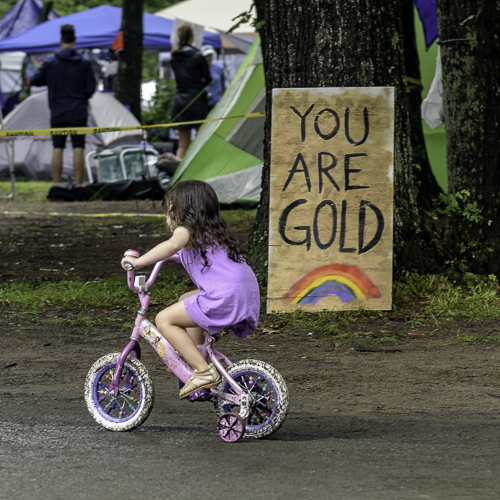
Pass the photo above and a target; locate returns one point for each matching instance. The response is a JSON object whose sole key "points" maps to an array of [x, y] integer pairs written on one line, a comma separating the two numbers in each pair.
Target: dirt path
{"points": [[427, 378]]}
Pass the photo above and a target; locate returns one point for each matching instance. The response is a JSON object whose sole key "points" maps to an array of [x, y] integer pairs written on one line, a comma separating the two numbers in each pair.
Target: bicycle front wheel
{"points": [[135, 399], [269, 394]]}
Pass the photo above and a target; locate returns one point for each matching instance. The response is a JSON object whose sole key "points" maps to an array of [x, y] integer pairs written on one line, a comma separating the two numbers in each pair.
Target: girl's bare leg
{"points": [[184, 142], [195, 333], [172, 323]]}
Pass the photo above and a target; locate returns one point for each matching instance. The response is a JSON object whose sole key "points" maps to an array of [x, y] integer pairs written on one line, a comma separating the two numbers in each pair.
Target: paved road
{"points": [[50, 448]]}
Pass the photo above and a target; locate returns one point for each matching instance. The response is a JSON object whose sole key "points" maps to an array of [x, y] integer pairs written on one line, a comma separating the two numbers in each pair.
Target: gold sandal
{"points": [[210, 376]]}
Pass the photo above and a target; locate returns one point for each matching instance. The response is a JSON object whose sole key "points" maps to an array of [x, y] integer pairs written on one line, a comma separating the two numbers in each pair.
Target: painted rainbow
{"points": [[348, 283]]}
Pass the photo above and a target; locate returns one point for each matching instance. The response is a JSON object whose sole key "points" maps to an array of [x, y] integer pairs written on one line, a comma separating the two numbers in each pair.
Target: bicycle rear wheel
{"points": [[135, 399], [269, 394]]}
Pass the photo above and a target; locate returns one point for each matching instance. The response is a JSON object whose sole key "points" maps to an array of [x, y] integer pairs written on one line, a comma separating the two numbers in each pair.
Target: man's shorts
{"points": [[59, 141]]}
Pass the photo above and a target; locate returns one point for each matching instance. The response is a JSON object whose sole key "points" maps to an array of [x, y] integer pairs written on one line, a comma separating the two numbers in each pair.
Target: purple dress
{"points": [[229, 295]]}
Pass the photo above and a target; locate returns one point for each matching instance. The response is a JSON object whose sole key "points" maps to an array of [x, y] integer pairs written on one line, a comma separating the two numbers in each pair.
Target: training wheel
{"points": [[230, 428]]}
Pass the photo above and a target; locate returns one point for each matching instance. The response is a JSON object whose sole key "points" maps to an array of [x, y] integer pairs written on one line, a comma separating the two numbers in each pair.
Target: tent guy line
{"points": [[97, 130]]}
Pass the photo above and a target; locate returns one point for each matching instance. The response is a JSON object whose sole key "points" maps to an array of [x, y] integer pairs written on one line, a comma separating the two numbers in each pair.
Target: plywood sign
{"points": [[331, 194]]}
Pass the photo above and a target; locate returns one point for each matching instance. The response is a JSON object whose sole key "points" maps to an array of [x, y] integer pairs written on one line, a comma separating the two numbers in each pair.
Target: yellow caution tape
{"points": [[98, 130], [82, 215]]}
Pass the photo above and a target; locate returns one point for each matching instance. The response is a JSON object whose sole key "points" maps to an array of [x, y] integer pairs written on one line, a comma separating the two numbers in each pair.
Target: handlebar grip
{"points": [[128, 266], [132, 253]]}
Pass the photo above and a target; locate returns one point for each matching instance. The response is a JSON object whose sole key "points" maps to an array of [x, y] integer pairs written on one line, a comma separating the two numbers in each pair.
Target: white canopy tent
{"points": [[214, 14], [11, 66]]}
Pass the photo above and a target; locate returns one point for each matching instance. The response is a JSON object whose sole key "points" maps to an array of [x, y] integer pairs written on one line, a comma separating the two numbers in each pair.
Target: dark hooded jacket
{"points": [[71, 83], [192, 75]]}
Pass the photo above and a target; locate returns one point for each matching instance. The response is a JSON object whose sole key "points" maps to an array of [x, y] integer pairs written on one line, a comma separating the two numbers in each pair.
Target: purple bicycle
{"points": [[251, 401]]}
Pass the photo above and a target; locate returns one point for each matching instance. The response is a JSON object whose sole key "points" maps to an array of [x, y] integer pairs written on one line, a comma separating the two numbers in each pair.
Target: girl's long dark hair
{"points": [[194, 205]]}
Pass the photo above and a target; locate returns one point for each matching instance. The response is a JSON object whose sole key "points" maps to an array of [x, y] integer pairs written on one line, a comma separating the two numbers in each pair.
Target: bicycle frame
{"points": [[145, 329]]}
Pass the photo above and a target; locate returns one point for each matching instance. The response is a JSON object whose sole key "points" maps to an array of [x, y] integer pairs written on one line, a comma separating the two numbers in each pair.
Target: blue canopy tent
{"points": [[95, 28], [21, 17]]}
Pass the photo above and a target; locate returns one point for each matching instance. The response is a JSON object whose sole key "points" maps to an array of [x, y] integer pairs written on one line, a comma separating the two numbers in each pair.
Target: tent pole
{"points": [[12, 167], [223, 54], [9, 142]]}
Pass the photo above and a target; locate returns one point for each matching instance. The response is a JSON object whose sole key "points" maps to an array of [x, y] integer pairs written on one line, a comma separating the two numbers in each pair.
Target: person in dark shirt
{"points": [[192, 75], [71, 83]]}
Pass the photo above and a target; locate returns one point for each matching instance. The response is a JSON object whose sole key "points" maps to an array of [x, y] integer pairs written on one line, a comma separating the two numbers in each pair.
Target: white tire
{"points": [[135, 397], [268, 390]]}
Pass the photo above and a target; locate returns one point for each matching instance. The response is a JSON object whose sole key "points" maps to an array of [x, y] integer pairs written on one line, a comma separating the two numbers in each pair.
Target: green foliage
{"points": [[458, 204], [240, 219], [461, 216], [149, 66], [163, 100], [247, 17], [65, 7]]}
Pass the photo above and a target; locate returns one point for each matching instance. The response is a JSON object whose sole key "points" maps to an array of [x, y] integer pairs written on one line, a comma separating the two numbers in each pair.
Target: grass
{"points": [[109, 293], [445, 297], [27, 190]]}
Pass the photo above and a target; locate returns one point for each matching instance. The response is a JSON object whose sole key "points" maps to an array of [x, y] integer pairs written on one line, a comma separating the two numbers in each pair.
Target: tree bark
{"points": [[127, 84], [45, 11], [331, 43], [470, 57], [428, 187]]}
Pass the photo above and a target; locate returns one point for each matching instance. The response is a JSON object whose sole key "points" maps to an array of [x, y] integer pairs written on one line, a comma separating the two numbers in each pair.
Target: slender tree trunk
{"points": [[332, 43], [45, 11], [470, 57], [428, 188], [127, 82], [25, 86]]}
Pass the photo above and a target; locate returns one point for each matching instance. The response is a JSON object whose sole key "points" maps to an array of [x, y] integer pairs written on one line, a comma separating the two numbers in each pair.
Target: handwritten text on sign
{"points": [[331, 202]]}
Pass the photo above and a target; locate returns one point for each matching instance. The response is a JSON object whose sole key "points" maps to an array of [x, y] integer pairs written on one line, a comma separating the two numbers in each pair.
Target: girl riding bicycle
{"points": [[227, 295]]}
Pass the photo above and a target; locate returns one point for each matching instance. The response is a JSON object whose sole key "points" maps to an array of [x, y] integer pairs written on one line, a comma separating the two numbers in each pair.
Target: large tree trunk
{"points": [[127, 82], [331, 43], [470, 56], [428, 188]]}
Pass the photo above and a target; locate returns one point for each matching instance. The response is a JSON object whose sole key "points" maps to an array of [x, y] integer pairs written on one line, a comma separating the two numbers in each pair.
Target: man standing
{"points": [[71, 83], [218, 86]]}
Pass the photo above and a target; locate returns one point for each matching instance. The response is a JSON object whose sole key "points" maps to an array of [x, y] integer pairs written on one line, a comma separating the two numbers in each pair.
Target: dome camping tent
{"points": [[32, 154]]}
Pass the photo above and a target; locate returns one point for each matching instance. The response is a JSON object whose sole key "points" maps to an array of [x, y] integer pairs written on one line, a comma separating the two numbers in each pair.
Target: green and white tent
{"points": [[228, 155]]}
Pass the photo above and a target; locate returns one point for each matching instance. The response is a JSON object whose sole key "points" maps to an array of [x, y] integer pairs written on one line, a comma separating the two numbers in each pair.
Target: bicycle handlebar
{"points": [[156, 269]]}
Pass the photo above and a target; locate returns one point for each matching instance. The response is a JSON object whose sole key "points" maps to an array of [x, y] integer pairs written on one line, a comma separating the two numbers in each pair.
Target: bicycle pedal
{"points": [[200, 395]]}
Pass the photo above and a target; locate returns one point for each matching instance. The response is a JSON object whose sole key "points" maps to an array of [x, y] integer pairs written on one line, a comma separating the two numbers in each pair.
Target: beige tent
{"points": [[215, 14]]}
